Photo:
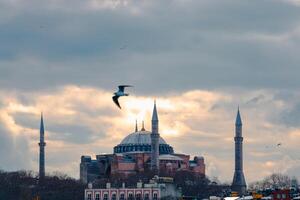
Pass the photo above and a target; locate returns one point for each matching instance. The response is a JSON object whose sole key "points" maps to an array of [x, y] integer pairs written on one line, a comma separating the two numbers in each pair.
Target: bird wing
{"points": [[115, 99], [122, 87]]}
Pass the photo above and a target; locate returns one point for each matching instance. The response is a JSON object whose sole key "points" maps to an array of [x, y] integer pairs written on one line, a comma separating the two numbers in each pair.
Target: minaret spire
{"points": [[154, 114], [239, 183], [136, 126], [42, 145], [238, 121], [143, 126], [155, 141]]}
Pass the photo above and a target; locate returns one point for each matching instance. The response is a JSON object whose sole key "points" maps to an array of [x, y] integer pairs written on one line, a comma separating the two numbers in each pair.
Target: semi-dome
{"points": [[140, 141]]}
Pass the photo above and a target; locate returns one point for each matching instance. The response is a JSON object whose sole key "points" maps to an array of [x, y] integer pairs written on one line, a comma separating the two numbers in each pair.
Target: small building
{"points": [[283, 194], [156, 189]]}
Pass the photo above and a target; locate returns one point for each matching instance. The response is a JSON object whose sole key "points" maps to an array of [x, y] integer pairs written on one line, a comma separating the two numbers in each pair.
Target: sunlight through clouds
{"points": [[85, 121]]}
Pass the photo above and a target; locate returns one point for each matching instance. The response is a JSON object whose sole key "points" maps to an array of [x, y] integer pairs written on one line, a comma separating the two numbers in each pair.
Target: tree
{"points": [[23, 185], [273, 181]]}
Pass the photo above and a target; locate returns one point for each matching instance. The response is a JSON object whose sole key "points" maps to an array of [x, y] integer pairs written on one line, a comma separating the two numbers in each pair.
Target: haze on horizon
{"points": [[199, 59]]}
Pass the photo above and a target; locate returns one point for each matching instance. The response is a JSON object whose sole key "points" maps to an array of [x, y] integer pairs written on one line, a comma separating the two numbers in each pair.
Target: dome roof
{"points": [[140, 138], [140, 141]]}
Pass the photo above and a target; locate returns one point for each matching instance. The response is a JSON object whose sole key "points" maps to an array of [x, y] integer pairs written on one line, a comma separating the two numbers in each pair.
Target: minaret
{"points": [[136, 126], [42, 145], [155, 142], [238, 183], [143, 127]]}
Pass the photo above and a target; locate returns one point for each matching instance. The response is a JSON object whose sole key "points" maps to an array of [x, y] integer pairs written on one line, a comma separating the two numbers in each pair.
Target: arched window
{"points": [[105, 196], [130, 196], [147, 197], [155, 197], [114, 197], [122, 197], [89, 196], [138, 196], [97, 196]]}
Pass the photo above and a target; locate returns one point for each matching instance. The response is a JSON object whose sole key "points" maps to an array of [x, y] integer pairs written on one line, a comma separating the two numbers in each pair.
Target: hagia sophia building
{"points": [[137, 152]]}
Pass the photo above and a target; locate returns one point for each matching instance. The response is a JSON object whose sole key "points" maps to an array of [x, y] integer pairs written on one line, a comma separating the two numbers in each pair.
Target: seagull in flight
{"points": [[279, 144], [120, 93]]}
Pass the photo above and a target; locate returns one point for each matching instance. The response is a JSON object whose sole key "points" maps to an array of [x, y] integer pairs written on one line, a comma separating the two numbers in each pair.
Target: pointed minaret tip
{"points": [[42, 124], [136, 126], [143, 127], [238, 120], [154, 114]]}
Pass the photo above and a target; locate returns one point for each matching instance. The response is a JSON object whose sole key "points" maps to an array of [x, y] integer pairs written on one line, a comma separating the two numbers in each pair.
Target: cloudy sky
{"points": [[199, 58]]}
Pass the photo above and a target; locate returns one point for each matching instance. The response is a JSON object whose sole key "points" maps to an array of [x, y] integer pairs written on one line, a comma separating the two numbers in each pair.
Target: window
{"points": [[122, 196], [97, 196], [89, 196], [105, 197], [130, 196], [284, 196], [278, 196], [114, 197], [138, 196], [155, 196], [147, 196]]}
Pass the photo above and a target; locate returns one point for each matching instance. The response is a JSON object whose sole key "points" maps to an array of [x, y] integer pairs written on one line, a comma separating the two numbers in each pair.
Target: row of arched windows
{"points": [[163, 149], [130, 196]]}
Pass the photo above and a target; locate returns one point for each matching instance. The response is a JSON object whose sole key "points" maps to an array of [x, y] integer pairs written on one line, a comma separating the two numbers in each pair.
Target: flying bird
{"points": [[120, 93], [279, 144]]}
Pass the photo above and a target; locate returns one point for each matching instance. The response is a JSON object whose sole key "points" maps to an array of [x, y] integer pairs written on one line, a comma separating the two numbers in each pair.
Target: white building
{"points": [[151, 191]]}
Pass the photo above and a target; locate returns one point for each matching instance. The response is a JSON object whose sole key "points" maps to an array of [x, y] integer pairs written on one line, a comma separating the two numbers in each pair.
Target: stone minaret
{"points": [[155, 142], [238, 183], [136, 126], [42, 145]]}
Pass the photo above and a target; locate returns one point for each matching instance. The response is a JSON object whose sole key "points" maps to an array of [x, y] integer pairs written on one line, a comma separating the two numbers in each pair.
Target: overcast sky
{"points": [[199, 58]]}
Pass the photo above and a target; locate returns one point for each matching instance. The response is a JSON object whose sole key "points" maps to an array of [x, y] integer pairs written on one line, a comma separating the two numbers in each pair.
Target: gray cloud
{"points": [[13, 150], [207, 44], [79, 134], [27, 120], [291, 117]]}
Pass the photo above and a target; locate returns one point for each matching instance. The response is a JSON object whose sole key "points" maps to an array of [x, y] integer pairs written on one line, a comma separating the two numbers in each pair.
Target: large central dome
{"points": [[140, 141], [140, 137]]}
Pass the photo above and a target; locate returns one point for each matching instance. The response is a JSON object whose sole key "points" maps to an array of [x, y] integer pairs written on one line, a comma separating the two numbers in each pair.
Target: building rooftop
{"points": [[169, 157], [140, 138]]}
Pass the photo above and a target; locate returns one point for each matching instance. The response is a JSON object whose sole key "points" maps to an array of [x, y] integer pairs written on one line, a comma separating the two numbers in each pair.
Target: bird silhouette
{"points": [[120, 93], [279, 144]]}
